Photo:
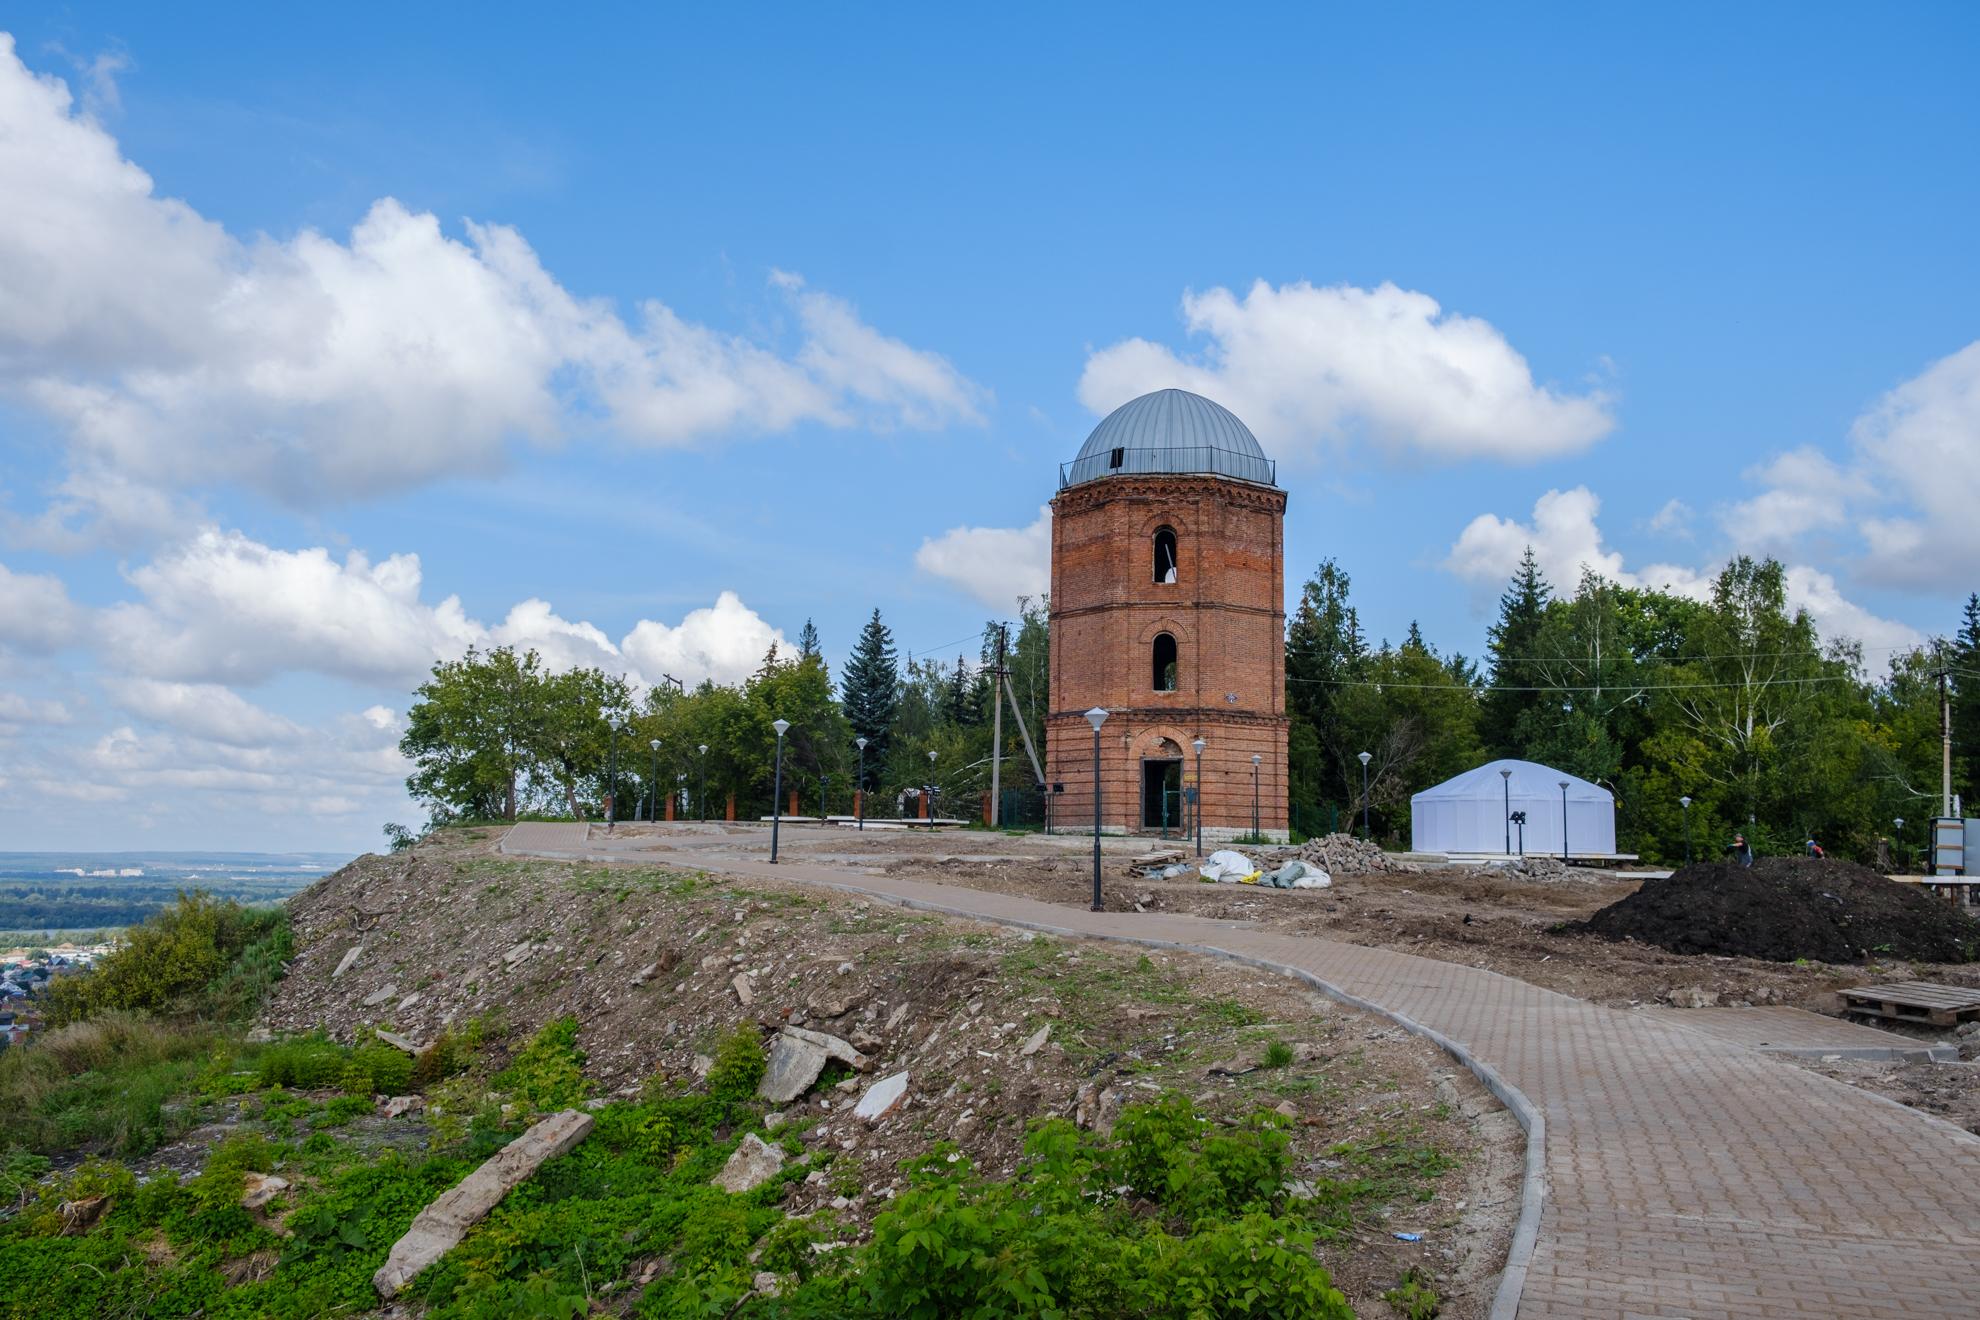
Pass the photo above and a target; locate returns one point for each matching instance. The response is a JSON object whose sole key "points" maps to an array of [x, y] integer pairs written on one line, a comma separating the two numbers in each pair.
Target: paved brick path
{"points": [[1686, 1173]]}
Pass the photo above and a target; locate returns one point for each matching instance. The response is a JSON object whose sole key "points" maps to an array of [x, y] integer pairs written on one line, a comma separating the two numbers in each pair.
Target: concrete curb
{"points": [[1533, 1180]]}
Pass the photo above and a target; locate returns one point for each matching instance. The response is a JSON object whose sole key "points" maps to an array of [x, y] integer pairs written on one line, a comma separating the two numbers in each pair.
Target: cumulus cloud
{"points": [[1674, 519], [1310, 368], [205, 710], [1920, 444], [725, 642], [996, 565], [36, 614], [179, 355], [1566, 539], [223, 608], [18, 710]]}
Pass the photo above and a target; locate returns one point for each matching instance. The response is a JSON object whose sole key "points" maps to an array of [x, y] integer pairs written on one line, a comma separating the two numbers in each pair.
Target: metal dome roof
{"points": [[1170, 432]]}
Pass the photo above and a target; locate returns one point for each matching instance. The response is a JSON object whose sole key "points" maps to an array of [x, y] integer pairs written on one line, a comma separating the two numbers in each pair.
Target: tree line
{"points": [[1733, 701]]}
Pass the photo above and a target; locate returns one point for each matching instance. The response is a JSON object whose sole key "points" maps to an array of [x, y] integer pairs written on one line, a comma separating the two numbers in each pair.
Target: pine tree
{"points": [[870, 692], [807, 641], [1325, 652], [1512, 642], [963, 709], [1963, 656]]}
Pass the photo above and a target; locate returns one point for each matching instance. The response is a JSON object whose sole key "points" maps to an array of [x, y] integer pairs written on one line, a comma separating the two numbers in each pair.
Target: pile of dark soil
{"points": [[1784, 908]]}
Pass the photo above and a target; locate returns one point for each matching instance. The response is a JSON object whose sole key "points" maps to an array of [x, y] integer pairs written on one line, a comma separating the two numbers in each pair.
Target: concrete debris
{"points": [[437, 1229], [1693, 996], [794, 1065], [398, 1042], [518, 952], [79, 1214], [1340, 854], [745, 989], [753, 1164], [348, 961], [645, 974], [1037, 1041], [834, 1048], [258, 1189], [882, 1098], [380, 995], [398, 1106]]}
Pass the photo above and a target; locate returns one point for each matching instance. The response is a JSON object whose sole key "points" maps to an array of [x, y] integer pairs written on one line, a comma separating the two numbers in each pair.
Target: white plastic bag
{"points": [[1227, 867]]}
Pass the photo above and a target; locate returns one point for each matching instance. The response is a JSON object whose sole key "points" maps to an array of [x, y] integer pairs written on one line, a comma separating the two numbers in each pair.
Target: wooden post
{"points": [[986, 810], [670, 806], [924, 806], [732, 807], [792, 811]]}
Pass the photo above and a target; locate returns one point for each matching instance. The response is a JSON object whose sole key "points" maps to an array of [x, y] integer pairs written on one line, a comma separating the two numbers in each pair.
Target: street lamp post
{"points": [[1197, 806], [701, 793], [777, 788], [612, 773], [931, 790], [824, 785], [1505, 785], [1897, 837], [1564, 853], [653, 794], [859, 789], [1255, 759], [1096, 717], [680, 791], [1685, 802], [1364, 758]]}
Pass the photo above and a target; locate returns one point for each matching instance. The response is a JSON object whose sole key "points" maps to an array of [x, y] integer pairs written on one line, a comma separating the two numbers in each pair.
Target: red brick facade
{"points": [[1226, 612]]}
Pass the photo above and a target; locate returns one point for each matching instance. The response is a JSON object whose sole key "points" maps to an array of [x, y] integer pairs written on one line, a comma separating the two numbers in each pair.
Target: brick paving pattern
{"points": [[1687, 1174]]}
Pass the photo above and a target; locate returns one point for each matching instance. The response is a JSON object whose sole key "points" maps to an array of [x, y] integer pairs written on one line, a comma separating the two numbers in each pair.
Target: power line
{"points": [[1568, 687]]}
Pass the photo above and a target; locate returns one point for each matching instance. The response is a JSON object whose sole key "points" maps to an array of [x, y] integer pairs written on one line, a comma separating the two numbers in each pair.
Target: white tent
{"points": [[1469, 813]]}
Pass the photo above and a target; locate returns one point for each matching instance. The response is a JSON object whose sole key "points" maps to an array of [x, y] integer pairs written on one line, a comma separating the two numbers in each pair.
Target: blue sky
{"points": [[623, 311]]}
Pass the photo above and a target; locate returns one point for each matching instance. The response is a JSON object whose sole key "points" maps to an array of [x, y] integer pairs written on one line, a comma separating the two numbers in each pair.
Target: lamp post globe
{"points": [[1197, 746], [777, 787], [1364, 758], [1096, 717], [859, 789]]}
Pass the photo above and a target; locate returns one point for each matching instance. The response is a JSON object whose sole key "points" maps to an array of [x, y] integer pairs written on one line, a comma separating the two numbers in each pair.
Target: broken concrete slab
{"points": [[882, 1098], [398, 1042], [754, 1163], [745, 989], [1037, 1041], [834, 1048], [380, 995], [348, 961], [398, 1106], [794, 1065], [437, 1229], [518, 952]]}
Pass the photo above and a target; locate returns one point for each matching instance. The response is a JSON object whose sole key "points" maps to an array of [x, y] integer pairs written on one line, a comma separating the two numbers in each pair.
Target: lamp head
{"points": [[1505, 774], [1096, 717], [1363, 757], [931, 756], [703, 749], [1899, 822], [860, 743], [1564, 786], [780, 726], [1198, 745], [654, 743], [1256, 758], [1685, 802]]}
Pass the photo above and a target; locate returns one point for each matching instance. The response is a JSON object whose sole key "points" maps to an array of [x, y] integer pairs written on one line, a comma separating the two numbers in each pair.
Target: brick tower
{"points": [[1168, 610]]}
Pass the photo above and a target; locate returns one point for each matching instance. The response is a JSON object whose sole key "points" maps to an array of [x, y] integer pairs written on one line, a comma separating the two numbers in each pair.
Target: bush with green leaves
{"points": [[169, 961], [548, 1072], [739, 1065]]}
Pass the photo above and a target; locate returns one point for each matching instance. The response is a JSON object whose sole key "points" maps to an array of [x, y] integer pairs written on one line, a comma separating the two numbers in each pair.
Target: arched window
{"points": [[1165, 663], [1165, 554]]}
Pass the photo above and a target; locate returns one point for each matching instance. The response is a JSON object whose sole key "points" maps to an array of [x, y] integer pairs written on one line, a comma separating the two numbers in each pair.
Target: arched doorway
{"points": [[1161, 787]]}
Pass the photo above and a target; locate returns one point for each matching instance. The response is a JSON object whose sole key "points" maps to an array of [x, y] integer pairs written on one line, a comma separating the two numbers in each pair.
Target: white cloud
{"points": [[225, 608], [1313, 368], [996, 565], [1921, 444], [1566, 539], [178, 355], [725, 642], [17, 710], [1674, 519], [1802, 492], [36, 613], [205, 710]]}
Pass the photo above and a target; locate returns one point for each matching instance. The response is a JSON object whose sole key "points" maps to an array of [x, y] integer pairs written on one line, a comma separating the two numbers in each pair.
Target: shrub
{"points": [[175, 956], [739, 1065], [547, 1073], [101, 1084], [304, 1063]]}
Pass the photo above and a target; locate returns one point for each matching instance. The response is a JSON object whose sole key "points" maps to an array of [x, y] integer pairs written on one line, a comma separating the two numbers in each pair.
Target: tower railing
{"points": [[1198, 460]]}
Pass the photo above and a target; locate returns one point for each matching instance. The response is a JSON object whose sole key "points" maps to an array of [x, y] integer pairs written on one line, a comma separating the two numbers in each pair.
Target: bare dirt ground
{"points": [[1478, 916], [657, 963]]}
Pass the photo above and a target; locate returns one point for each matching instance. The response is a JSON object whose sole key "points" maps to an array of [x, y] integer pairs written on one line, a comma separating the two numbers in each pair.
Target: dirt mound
{"points": [[1338, 854], [1784, 908]]}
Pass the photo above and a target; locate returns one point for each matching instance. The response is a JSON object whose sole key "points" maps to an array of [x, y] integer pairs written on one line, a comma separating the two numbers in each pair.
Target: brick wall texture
{"points": [[1226, 611]]}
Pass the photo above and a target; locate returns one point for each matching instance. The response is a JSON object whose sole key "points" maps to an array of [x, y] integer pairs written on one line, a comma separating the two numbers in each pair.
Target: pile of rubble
{"points": [[1340, 854]]}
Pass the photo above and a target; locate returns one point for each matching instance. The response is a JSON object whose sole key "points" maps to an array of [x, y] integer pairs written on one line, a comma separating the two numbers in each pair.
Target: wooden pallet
{"points": [[1915, 1001]]}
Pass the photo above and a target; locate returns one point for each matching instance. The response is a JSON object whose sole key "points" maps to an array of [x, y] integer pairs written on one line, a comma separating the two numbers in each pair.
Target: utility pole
{"points": [[1945, 737], [997, 736]]}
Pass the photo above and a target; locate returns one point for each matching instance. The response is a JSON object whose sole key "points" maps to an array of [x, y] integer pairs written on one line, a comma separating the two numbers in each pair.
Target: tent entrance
{"points": [[1161, 794]]}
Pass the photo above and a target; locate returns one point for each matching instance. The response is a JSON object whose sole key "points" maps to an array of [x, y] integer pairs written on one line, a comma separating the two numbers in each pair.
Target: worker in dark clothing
{"points": [[1815, 850], [1741, 850]]}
